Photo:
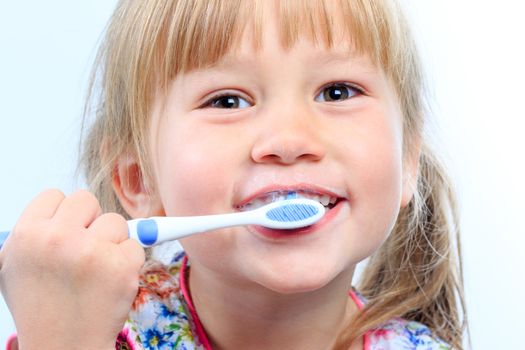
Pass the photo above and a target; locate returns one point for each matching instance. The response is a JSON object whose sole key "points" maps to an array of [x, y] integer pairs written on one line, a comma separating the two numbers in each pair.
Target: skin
{"points": [[207, 160]]}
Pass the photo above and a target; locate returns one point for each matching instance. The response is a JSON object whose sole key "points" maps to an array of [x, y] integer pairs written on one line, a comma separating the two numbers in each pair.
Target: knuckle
{"points": [[86, 253], [85, 259], [41, 245], [61, 233], [55, 238], [115, 218], [116, 268], [26, 232], [21, 228], [86, 197], [116, 221]]}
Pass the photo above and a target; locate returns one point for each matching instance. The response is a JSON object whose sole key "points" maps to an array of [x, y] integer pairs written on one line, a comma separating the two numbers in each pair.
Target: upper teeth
{"points": [[270, 197]]}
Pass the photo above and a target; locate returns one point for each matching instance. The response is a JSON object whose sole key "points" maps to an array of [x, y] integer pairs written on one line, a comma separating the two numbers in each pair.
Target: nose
{"points": [[289, 137]]}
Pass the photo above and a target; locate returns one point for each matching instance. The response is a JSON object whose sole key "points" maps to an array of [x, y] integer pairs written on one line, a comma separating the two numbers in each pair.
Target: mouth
{"points": [[332, 202], [327, 200]]}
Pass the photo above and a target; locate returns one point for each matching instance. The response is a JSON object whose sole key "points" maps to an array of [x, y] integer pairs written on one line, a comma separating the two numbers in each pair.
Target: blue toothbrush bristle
{"points": [[292, 212]]}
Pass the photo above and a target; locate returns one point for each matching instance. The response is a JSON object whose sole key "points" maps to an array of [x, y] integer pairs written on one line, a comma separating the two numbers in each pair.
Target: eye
{"points": [[338, 92], [227, 101]]}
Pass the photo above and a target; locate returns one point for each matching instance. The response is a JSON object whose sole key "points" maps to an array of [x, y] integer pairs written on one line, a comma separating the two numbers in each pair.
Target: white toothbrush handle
{"points": [[155, 230]]}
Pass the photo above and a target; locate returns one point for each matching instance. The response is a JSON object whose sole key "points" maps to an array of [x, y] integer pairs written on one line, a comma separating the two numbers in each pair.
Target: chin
{"points": [[293, 281]]}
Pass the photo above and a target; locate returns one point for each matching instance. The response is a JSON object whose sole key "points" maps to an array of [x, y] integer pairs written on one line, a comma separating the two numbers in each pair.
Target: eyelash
{"points": [[214, 99], [357, 90], [322, 92]]}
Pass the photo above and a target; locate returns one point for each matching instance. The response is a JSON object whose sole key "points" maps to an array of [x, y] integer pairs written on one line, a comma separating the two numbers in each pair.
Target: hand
{"points": [[69, 274]]}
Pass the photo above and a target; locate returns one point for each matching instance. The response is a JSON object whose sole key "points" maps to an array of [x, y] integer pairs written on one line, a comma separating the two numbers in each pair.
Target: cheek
{"points": [[380, 195], [377, 182], [381, 169], [192, 172]]}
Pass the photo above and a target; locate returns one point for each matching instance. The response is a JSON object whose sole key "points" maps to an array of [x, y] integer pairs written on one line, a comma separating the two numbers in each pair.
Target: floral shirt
{"points": [[163, 317]]}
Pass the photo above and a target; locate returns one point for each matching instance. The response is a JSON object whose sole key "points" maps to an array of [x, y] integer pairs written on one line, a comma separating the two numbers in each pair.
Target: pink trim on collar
{"points": [[358, 302], [10, 341], [201, 334], [360, 306]]}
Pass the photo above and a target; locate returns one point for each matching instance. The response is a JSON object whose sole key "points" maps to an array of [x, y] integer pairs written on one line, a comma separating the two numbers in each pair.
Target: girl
{"points": [[208, 107]]}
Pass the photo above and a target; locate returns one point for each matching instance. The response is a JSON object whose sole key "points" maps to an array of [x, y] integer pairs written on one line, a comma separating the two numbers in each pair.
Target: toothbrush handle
{"points": [[156, 230]]}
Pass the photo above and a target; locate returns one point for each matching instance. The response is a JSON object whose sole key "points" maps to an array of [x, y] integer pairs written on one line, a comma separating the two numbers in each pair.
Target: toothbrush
{"points": [[285, 214]]}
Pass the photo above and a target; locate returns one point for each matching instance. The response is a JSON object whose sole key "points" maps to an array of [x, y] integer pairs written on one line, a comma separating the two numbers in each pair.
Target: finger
{"points": [[110, 227], [43, 206], [81, 207], [134, 252]]}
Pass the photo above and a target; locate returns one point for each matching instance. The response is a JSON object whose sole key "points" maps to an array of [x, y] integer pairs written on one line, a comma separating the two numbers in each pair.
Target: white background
{"points": [[475, 54]]}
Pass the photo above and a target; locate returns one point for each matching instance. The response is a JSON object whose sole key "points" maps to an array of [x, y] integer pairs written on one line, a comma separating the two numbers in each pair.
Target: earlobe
{"points": [[132, 192]]}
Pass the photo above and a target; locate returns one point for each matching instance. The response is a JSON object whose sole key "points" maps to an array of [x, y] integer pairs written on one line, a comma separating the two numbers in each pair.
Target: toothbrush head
{"points": [[292, 213]]}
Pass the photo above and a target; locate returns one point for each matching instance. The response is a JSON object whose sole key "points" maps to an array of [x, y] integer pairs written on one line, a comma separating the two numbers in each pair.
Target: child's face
{"points": [[307, 119]]}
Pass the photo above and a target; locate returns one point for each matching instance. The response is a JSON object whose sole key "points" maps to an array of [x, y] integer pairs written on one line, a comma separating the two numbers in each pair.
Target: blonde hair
{"points": [[416, 274]]}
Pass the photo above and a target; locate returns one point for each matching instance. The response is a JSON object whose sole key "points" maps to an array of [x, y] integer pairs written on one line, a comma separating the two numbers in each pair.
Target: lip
{"points": [[291, 188], [279, 235]]}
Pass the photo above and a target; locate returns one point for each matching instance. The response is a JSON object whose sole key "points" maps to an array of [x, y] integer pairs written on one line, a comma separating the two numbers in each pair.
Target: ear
{"points": [[410, 171], [134, 195]]}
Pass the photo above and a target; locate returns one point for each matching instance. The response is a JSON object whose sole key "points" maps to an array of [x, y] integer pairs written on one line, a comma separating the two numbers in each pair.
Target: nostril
{"points": [[288, 147], [286, 156]]}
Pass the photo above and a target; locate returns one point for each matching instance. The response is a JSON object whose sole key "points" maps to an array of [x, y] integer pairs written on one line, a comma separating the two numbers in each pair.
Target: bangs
{"points": [[196, 34]]}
